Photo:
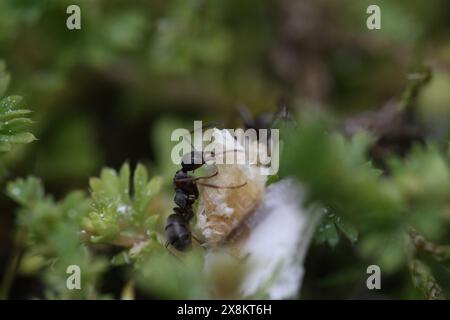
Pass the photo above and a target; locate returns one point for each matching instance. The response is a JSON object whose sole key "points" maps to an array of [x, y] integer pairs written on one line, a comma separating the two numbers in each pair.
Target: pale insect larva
{"points": [[222, 211]]}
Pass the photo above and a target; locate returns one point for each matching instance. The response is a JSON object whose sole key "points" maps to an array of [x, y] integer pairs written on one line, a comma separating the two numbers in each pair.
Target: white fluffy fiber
{"points": [[278, 244]]}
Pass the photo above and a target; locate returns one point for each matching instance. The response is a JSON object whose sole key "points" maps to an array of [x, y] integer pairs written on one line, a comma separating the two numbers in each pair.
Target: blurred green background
{"points": [[103, 94]]}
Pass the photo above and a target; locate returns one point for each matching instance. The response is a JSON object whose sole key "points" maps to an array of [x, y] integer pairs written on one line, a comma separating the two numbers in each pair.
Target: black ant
{"points": [[177, 228], [265, 120]]}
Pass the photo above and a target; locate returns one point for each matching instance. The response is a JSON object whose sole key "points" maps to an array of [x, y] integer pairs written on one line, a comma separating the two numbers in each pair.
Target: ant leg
{"points": [[167, 244], [221, 187], [200, 243]]}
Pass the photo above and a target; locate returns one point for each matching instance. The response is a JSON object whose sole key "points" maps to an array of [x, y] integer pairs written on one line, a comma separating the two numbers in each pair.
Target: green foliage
{"points": [[381, 207], [14, 126], [78, 133], [327, 231], [162, 274], [14, 121], [424, 177], [117, 212], [209, 43], [421, 273], [423, 279], [340, 174], [343, 178], [117, 215], [50, 237], [97, 93], [55, 233], [26, 192]]}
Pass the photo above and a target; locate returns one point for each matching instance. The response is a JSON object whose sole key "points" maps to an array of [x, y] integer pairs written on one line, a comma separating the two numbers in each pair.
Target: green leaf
{"points": [[17, 124], [110, 182], [347, 229], [327, 231], [12, 114], [14, 123], [152, 188], [24, 137], [120, 259], [140, 177], [26, 191], [124, 177], [106, 226], [331, 235]]}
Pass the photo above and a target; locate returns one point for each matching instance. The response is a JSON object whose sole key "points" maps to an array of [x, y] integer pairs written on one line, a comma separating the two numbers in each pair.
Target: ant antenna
{"points": [[221, 187], [207, 126], [283, 114], [212, 154], [211, 185], [245, 115], [199, 178]]}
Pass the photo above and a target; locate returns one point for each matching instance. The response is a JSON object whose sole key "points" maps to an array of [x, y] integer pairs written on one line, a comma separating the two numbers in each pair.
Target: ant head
{"points": [[192, 161]]}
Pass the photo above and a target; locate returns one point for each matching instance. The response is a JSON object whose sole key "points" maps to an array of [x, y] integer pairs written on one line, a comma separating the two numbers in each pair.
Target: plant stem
{"points": [[421, 274], [11, 269]]}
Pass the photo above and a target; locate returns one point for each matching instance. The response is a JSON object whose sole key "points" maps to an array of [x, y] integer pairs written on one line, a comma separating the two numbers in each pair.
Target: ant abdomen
{"points": [[177, 232]]}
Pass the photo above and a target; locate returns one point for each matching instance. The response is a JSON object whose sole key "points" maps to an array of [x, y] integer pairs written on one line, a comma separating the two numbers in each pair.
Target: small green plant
{"points": [[15, 122], [49, 239], [14, 129], [120, 215], [121, 212], [380, 208]]}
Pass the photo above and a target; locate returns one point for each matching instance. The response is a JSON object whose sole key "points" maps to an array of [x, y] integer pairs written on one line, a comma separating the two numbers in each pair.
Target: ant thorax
{"points": [[222, 211]]}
